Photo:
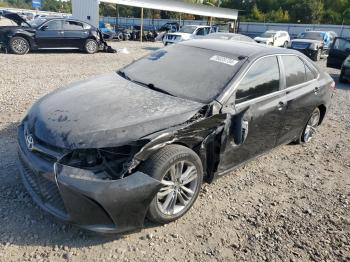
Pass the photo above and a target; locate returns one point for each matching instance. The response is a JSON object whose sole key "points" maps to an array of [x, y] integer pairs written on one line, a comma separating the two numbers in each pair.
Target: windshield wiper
{"points": [[152, 87], [123, 75]]}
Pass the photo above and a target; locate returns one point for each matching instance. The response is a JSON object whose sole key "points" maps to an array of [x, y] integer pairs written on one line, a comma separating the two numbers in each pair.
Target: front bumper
{"points": [[75, 196]]}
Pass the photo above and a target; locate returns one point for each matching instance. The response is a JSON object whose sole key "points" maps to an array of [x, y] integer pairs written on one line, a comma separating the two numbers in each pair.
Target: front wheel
{"points": [[181, 173], [285, 45], [310, 129], [19, 45], [91, 46]]}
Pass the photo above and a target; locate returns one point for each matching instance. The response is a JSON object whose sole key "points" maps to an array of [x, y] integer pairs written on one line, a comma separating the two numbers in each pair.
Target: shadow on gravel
{"points": [[341, 86], [21, 221], [151, 48]]}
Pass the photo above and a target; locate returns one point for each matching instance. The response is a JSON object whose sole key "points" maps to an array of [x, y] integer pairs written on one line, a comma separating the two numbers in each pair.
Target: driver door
{"points": [[50, 34], [339, 51], [258, 108]]}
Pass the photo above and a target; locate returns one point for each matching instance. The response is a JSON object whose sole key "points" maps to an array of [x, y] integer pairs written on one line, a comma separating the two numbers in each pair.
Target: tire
{"points": [[120, 37], [310, 127], [316, 57], [285, 45], [174, 165], [19, 45], [91, 46]]}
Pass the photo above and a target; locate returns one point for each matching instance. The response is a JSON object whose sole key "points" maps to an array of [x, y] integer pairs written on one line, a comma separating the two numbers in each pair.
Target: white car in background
{"points": [[187, 32], [274, 38]]}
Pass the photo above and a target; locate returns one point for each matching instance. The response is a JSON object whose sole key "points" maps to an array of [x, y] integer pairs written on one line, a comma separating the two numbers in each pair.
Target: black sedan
{"points": [[339, 57], [50, 33], [108, 152]]}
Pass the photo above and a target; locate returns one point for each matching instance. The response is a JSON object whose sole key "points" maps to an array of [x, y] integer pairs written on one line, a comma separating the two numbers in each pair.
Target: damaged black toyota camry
{"points": [[111, 151]]}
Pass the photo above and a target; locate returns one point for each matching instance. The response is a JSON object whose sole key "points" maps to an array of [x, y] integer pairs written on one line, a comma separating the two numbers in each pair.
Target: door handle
{"points": [[61, 32], [281, 105]]}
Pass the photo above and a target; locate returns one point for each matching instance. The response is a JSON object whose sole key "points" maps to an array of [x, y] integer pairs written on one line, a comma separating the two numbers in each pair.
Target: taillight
{"points": [[333, 87]]}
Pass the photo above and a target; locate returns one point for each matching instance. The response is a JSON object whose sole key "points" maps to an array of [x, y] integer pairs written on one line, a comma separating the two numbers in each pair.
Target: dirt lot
{"points": [[290, 205]]}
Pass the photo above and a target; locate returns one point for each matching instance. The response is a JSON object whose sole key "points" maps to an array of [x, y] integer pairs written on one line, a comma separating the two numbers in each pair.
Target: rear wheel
{"points": [[311, 127], [181, 173], [285, 45], [19, 45], [91, 46]]}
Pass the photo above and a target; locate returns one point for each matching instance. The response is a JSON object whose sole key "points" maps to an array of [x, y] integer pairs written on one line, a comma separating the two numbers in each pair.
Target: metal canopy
{"points": [[181, 7]]}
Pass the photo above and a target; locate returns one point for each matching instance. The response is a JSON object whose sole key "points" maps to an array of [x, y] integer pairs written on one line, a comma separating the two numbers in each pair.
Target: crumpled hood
{"points": [[263, 39], [104, 111], [15, 17]]}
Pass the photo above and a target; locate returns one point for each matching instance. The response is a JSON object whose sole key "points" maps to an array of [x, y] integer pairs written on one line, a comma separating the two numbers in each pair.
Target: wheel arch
{"points": [[323, 111], [26, 37]]}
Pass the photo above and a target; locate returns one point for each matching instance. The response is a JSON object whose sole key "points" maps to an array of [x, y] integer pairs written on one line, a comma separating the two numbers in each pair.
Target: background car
{"points": [[230, 36], [187, 32], [338, 52], [344, 76], [50, 33], [314, 44], [274, 38], [131, 144]]}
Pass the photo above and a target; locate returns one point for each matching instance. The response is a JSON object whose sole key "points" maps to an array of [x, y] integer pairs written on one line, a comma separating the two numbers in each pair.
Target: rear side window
{"points": [[262, 78], [309, 75], [294, 69]]}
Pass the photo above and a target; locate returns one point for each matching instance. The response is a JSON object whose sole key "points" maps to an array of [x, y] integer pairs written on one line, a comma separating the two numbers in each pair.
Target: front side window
{"points": [[53, 25], [73, 25], [294, 69], [262, 78]]}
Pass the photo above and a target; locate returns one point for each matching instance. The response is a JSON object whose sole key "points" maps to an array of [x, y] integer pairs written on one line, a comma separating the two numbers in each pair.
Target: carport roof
{"points": [[181, 7]]}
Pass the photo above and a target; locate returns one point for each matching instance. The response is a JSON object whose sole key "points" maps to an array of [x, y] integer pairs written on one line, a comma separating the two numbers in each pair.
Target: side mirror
{"points": [[44, 28]]}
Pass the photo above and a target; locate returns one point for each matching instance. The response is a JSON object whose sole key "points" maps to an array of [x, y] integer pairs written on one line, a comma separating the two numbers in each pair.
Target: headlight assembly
{"points": [[313, 46], [106, 163]]}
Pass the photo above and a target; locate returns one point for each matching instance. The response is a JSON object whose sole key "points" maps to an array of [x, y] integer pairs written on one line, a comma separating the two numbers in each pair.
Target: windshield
{"points": [[311, 35], [183, 71], [38, 21], [187, 29], [268, 34]]}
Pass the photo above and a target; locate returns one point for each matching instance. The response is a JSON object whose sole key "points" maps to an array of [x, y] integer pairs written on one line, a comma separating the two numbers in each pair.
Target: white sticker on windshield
{"points": [[224, 60]]}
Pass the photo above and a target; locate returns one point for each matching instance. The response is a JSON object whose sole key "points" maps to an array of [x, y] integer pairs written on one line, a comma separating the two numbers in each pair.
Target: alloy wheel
{"points": [[310, 129], [179, 186], [91, 46], [20, 46]]}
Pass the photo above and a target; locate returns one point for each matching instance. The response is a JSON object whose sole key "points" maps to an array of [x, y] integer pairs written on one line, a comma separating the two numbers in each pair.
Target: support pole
{"points": [[211, 21], [141, 33]]}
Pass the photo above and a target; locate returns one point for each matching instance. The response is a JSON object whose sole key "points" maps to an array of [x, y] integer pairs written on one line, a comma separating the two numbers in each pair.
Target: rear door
{"points": [[50, 34], [340, 49], [75, 34], [259, 105], [302, 91]]}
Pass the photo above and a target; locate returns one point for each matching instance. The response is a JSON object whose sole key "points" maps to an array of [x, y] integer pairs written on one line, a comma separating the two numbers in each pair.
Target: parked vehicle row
{"points": [[50, 33]]}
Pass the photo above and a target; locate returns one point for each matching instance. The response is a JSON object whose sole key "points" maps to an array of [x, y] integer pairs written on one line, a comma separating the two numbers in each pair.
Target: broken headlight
{"points": [[106, 163]]}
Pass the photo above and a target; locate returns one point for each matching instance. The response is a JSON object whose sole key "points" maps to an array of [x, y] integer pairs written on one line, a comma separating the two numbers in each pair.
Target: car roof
{"points": [[198, 26], [238, 48]]}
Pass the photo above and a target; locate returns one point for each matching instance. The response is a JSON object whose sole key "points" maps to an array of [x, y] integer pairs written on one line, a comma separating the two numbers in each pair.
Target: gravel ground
{"points": [[289, 205]]}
